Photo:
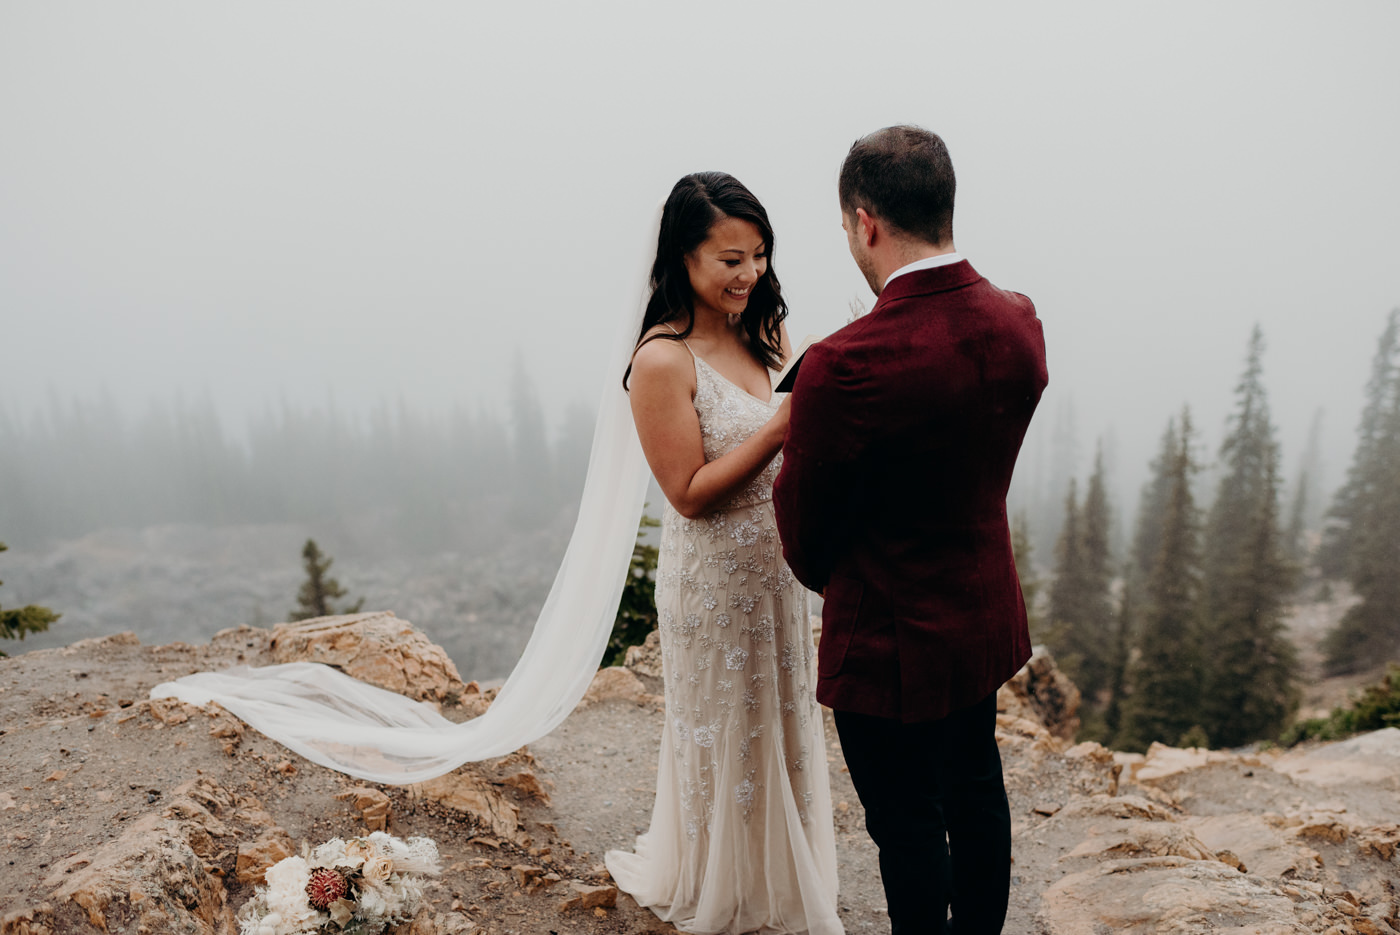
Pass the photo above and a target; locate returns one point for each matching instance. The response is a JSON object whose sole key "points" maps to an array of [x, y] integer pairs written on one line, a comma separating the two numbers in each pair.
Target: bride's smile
{"points": [[725, 268]]}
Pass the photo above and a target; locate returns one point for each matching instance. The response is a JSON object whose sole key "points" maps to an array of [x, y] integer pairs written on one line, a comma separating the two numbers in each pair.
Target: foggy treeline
{"points": [[430, 484], [1170, 611], [1178, 632]]}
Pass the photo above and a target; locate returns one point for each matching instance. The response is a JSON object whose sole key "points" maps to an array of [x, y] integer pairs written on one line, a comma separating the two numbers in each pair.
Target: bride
{"points": [[741, 835]]}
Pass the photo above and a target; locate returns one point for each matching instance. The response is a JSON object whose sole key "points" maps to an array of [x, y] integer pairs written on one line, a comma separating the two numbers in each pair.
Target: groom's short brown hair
{"points": [[904, 176]]}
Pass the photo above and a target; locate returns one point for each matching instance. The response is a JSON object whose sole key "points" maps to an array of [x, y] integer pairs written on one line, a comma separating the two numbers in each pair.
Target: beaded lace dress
{"points": [[741, 836]]}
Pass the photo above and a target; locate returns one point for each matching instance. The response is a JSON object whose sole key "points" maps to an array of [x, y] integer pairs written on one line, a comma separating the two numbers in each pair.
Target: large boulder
{"points": [[164, 872], [618, 683], [1367, 758], [465, 795], [377, 648], [1040, 692], [1161, 895], [645, 658]]}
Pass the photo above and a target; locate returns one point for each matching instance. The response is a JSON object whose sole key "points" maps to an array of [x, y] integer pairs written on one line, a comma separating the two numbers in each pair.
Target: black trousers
{"points": [[935, 805]]}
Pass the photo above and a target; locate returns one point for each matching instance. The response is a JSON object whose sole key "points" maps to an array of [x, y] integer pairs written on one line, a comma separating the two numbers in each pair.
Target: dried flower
{"points": [[358, 850], [325, 887], [342, 911], [362, 885], [377, 869]]}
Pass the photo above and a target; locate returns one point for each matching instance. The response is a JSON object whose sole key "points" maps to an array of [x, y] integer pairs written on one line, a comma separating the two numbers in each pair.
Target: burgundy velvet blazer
{"points": [[892, 496]]}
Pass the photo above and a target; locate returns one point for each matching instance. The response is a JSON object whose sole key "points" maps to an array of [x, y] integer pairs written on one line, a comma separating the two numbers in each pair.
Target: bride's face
{"points": [[725, 268]]}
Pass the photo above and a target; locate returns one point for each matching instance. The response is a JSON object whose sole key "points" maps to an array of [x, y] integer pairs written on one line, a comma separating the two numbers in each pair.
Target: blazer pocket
{"points": [[840, 611]]}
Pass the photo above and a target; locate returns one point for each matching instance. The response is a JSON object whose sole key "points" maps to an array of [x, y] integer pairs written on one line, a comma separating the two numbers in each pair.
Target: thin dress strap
{"points": [[683, 340]]}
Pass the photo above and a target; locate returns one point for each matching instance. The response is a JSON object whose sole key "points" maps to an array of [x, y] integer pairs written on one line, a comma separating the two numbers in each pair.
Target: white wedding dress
{"points": [[741, 836]]}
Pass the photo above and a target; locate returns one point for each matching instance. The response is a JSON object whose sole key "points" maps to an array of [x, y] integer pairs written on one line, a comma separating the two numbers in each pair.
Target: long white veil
{"points": [[377, 735]]}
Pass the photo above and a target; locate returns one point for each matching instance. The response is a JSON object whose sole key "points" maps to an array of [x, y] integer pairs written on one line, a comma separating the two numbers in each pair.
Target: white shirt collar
{"points": [[929, 262]]}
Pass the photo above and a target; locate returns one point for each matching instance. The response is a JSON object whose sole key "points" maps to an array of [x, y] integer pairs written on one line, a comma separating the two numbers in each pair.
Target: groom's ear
{"points": [[865, 227]]}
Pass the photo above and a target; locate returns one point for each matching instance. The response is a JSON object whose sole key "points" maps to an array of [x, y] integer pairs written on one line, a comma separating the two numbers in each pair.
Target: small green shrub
{"points": [[1377, 708], [18, 622], [636, 612]]}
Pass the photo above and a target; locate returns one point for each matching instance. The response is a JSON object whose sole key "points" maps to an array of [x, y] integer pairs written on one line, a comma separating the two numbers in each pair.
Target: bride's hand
{"points": [[780, 418]]}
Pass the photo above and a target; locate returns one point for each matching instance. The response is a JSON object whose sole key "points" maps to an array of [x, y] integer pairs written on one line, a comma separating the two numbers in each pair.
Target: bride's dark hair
{"points": [[696, 202]]}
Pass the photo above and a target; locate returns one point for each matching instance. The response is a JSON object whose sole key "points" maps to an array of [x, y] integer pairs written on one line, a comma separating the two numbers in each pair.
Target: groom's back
{"points": [[946, 373], [955, 376]]}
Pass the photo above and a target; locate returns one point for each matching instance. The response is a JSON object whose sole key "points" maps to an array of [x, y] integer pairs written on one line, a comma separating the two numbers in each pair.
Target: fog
{"points": [[367, 206]]}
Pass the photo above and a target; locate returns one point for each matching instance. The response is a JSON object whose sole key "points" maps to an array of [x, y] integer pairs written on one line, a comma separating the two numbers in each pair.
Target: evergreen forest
{"points": [[1180, 635]]}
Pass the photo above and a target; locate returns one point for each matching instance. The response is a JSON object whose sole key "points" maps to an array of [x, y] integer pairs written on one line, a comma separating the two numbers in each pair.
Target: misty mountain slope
{"points": [[186, 582]]}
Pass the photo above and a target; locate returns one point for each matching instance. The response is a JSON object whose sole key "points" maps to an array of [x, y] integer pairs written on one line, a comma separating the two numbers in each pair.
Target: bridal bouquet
{"points": [[357, 887]]}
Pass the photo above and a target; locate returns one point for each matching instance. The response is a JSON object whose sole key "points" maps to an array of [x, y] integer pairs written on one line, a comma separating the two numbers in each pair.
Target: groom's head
{"points": [[900, 181]]}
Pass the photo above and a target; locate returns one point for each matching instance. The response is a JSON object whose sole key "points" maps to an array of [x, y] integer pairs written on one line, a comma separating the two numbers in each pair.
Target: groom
{"points": [[892, 501]]}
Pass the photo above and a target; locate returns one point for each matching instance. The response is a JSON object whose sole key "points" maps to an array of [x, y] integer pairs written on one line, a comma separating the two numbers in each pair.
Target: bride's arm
{"points": [[662, 393]]}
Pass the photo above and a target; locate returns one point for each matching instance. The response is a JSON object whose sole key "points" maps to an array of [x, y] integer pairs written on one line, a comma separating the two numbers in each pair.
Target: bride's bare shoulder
{"points": [[662, 359]]}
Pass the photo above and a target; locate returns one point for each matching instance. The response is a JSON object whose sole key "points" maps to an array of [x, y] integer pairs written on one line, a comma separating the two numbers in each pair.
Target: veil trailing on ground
{"points": [[355, 728]]}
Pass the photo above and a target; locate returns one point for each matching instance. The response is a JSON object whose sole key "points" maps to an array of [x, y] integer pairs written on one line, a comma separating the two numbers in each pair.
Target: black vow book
{"points": [[788, 375]]}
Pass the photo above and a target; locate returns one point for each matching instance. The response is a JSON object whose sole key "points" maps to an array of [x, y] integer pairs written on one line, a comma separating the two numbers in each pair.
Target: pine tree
{"points": [[18, 623], [1081, 610], [1137, 569], [1293, 545], [1120, 656], [1368, 532], [1164, 679], [1023, 553], [636, 612], [319, 592], [1307, 501], [1345, 532], [1152, 508], [1067, 590], [1250, 689], [1096, 626]]}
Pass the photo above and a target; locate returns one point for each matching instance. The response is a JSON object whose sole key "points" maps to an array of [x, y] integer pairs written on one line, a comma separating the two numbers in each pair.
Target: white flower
{"points": [[373, 901], [330, 854], [377, 869], [743, 792], [289, 875], [736, 657], [267, 925], [357, 851], [286, 894], [704, 737]]}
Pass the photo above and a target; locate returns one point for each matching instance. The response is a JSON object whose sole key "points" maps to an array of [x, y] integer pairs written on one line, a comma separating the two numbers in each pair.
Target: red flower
{"points": [[325, 887]]}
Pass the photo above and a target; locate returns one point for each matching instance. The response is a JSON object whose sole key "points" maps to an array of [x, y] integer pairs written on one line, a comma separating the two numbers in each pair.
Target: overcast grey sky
{"points": [[373, 202]]}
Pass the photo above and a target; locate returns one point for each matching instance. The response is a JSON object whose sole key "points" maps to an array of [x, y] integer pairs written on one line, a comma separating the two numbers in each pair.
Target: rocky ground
{"points": [[126, 815]]}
